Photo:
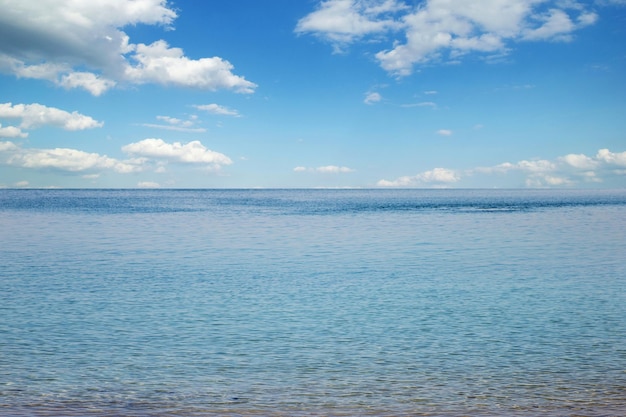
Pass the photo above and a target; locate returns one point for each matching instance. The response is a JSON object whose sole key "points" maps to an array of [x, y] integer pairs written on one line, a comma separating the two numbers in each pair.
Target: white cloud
{"points": [[158, 63], [342, 21], [444, 132], [536, 167], [175, 128], [555, 23], [549, 180], [568, 170], [178, 125], [81, 44], [193, 152], [175, 121], [46, 71], [611, 158], [327, 169], [539, 167], [445, 30], [8, 146], [217, 109], [146, 155], [565, 170], [11, 132], [64, 159], [88, 81], [580, 161], [333, 169], [36, 115], [148, 184], [449, 29], [372, 98], [440, 176]]}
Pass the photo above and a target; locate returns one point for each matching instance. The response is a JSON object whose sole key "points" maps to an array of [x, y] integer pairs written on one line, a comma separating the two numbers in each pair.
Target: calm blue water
{"points": [[312, 303]]}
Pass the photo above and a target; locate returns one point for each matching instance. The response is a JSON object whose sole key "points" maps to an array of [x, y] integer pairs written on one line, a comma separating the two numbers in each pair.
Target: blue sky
{"points": [[310, 93]]}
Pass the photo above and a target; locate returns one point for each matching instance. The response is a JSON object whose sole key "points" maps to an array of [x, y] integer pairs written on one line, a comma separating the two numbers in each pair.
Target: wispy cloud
{"points": [[217, 109], [175, 128], [327, 169], [176, 124], [371, 98], [430, 104], [444, 132]]}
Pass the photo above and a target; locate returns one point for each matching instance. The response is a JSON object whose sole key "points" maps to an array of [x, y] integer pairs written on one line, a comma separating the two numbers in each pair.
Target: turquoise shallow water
{"points": [[312, 303]]}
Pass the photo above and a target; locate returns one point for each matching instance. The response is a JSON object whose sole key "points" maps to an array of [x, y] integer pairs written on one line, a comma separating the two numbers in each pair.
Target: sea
{"points": [[310, 302]]}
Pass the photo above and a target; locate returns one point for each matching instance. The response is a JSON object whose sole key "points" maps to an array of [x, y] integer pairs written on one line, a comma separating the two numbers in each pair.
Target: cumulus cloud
{"points": [[37, 115], [437, 176], [8, 146], [11, 132], [86, 80], [145, 155], [44, 71], [327, 169], [217, 109], [81, 44], [342, 21], [63, 159], [580, 161], [161, 64], [611, 158], [444, 30], [192, 152], [447, 30]]}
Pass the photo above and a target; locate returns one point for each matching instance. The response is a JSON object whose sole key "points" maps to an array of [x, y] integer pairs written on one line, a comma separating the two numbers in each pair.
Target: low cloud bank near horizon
{"points": [[568, 170]]}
